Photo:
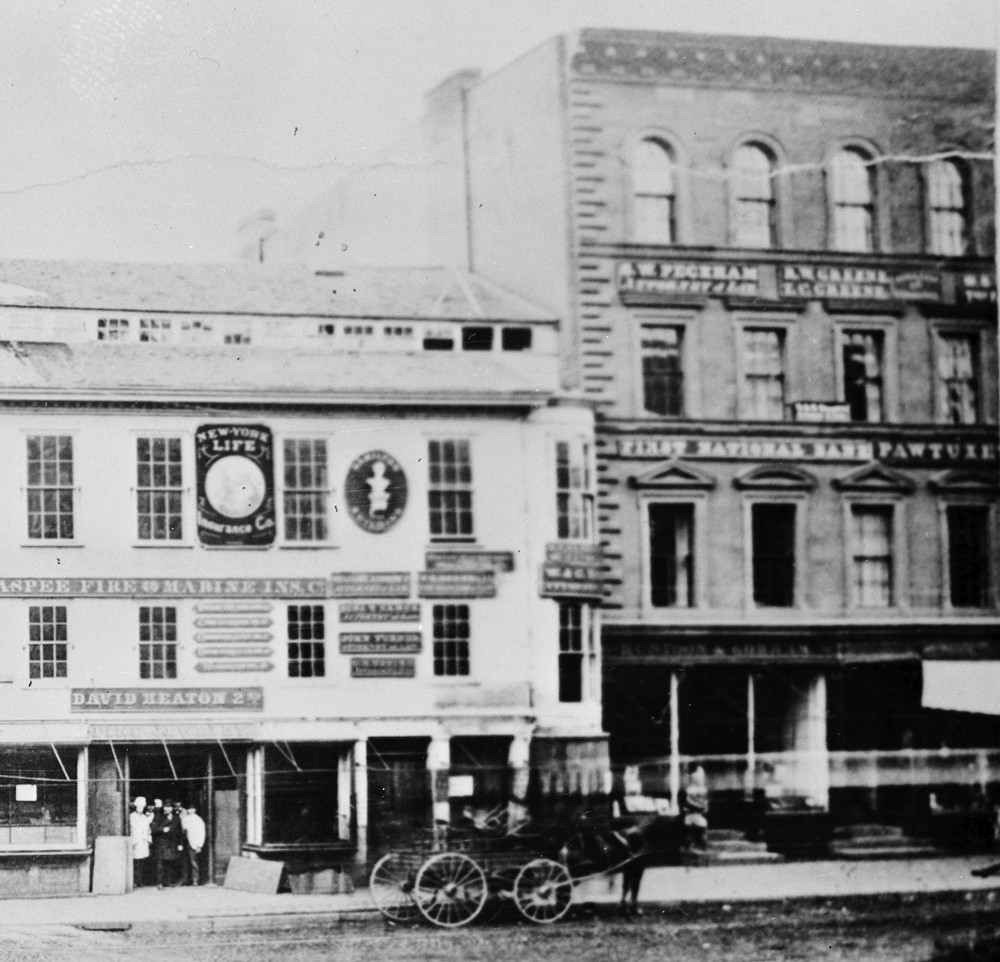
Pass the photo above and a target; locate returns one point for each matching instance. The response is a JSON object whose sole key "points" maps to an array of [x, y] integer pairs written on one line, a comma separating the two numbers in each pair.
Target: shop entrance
{"points": [[199, 776]]}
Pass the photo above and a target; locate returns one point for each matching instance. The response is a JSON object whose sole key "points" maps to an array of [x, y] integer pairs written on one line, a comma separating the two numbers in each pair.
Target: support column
{"points": [[439, 766], [361, 799], [519, 759], [750, 776], [675, 743], [809, 744]]}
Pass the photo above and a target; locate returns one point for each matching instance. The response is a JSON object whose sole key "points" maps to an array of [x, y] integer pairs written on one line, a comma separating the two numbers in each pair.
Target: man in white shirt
{"points": [[193, 826]]}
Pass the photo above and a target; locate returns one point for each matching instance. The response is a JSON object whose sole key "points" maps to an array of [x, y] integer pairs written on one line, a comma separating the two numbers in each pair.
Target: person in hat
{"points": [[141, 836], [168, 846]]}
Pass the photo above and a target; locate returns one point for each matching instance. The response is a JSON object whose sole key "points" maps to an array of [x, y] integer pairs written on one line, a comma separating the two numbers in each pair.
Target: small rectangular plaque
{"points": [[380, 642], [383, 668]]}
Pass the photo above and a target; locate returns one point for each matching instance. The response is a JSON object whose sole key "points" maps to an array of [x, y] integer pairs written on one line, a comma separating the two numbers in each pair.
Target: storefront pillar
{"points": [[808, 741], [750, 775], [675, 742], [519, 760], [361, 799], [439, 766]]}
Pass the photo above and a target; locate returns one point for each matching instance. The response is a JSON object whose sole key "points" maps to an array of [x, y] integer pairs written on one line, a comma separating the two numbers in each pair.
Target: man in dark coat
{"points": [[168, 845]]}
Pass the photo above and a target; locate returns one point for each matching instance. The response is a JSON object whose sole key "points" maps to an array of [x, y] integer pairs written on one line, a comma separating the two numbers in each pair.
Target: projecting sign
{"points": [[383, 668], [166, 699], [375, 491], [235, 469], [572, 570], [977, 288]]}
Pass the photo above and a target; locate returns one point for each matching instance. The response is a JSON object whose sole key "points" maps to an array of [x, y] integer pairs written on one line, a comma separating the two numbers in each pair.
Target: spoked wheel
{"points": [[450, 889], [391, 888], [543, 891]]}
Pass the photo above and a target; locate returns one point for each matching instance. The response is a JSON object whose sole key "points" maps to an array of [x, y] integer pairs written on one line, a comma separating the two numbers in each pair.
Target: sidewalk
{"points": [[776, 881]]}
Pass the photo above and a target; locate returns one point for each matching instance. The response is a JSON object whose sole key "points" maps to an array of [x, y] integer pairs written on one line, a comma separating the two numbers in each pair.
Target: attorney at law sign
{"points": [[166, 699]]}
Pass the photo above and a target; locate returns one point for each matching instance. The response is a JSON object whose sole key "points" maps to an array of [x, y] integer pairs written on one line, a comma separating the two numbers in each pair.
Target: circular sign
{"points": [[235, 486], [375, 491]]}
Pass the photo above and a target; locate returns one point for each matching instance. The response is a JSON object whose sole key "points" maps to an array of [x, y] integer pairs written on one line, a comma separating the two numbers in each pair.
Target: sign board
{"points": [[976, 288], [572, 570], [25, 793], [383, 668], [456, 584], [163, 587], [379, 611], [375, 491], [822, 412], [829, 282], [240, 638], [233, 666], [647, 281], [253, 875], [235, 474], [902, 449], [461, 786], [470, 561], [233, 651], [166, 699], [380, 642], [370, 584]]}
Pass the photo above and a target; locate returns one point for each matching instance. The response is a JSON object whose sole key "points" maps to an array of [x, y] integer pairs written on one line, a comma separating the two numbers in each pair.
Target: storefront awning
{"points": [[972, 686]]}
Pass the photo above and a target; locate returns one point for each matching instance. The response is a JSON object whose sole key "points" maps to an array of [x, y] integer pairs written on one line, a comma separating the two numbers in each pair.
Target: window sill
{"points": [[307, 546], [42, 543], [162, 544]]}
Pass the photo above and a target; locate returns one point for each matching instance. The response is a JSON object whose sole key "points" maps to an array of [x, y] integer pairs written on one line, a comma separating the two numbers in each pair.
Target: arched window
{"points": [[654, 193], [853, 197], [946, 208], [753, 197]]}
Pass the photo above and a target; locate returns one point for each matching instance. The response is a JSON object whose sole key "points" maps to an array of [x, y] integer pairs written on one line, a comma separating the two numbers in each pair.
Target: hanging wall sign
{"points": [[235, 465], [375, 491]]}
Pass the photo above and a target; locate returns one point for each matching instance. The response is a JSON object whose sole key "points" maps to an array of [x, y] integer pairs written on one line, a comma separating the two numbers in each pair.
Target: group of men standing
{"points": [[170, 836]]}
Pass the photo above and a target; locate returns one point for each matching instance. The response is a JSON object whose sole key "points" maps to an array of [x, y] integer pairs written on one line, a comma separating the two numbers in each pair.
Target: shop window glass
{"points": [[450, 491], [958, 389], [753, 197], [479, 338], [773, 546], [47, 641], [663, 371], [853, 196], [306, 641], [515, 339], [38, 796], [307, 489], [300, 793], [451, 640], [159, 489], [871, 539], [654, 193], [764, 374], [968, 555], [157, 642], [946, 199], [863, 365], [671, 555], [50, 487], [574, 491]]}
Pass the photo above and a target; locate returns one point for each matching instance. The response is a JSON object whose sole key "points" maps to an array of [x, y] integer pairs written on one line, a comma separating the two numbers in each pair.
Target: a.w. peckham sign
{"points": [[911, 450], [646, 281]]}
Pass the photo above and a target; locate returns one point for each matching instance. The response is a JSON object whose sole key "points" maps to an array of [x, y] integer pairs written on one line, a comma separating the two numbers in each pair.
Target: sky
{"points": [[156, 130]]}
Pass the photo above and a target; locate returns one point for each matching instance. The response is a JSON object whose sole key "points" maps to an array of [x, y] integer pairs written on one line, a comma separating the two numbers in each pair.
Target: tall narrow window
{"points": [[450, 492], [773, 545], [157, 642], [654, 185], [862, 356], [957, 383], [47, 641], [574, 491], [306, 641], [663, 371], [307, 489], [764, 374], [871, 540], [671, 555], [158, 490], [753, 197], [451, 639], [968, 555], [576, 651], [946, 201], [50, 487], [853, 197]]}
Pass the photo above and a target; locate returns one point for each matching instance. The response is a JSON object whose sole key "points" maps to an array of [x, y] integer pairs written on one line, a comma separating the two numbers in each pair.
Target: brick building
{"points": [[775, 260], [276, 545]]}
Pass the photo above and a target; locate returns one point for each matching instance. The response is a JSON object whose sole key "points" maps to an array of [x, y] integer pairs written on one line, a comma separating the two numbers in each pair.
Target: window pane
{"points": [[671, 553], [773, 548]]}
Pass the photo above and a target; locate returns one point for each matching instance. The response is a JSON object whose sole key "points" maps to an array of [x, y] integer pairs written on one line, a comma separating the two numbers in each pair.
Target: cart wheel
{"points": [[543, 891], [391, 888], [450, 889]]}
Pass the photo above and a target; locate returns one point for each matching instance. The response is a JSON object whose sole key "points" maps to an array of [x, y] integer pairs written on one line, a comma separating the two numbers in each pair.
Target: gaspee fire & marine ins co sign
{"points": [[235, 465]]}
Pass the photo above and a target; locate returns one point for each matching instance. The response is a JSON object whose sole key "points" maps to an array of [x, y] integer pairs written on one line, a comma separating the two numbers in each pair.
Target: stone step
{"points": [[762, 857], [857, 854], [721, 835], [868, 830]]}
